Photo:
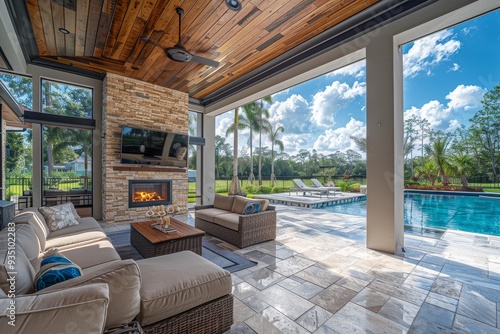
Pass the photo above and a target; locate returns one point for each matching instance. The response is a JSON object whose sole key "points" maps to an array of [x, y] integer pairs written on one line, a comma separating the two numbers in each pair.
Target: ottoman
{"points": [[184, 293]]}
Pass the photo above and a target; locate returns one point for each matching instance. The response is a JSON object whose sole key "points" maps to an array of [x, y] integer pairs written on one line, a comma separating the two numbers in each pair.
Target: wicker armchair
{"points": [[253, 228]]}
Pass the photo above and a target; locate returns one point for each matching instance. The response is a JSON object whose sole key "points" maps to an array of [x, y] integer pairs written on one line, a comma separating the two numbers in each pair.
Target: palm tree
{"points": [[248, 120], [262, 111], [437, 152], [234, 187], [428, 171], [274, 134], [461, 164], [360, 142]]}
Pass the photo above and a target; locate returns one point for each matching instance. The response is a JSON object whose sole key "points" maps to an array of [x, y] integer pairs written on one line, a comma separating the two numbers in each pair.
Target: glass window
{"points": [[67, 100]]}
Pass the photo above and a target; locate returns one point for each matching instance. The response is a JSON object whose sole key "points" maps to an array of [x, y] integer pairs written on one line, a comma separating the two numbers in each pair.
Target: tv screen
{"points": [[152, 147]]}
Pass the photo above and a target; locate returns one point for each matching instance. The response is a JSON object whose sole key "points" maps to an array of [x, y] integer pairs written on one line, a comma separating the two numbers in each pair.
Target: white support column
{"points": [[37, 145], [384, 137], [208, 160]]}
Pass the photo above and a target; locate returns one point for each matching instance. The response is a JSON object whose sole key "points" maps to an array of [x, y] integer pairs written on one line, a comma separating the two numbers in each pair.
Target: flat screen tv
{"points": [[152, 147]]}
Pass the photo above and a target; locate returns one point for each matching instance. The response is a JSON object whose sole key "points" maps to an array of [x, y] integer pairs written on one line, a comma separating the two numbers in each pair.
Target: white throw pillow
{"points": [[59, 216]]}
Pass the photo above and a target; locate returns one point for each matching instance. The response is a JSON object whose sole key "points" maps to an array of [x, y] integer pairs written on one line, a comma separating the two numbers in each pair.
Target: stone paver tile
{"points": [[399, 311], [240, 328], [291, 266], [318, 276], [314, 318], [353, 318], [263, 278], [353, 283], [476, 306], [442, 301], [255, 304], [437, 315], [422, 326], [244, 290], [261, 325], [371, 299], [278, 320], [241, 312], [290, 283], [463, 324], [447, 287], [333, 298], [285, 301], [419, 282], [325, 330], [307, 290]]}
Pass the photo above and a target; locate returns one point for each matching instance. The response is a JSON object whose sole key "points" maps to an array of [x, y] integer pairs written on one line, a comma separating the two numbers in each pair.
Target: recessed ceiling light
{"points": [[64, 31], [233, 5], [144, 39], [135, 68]]}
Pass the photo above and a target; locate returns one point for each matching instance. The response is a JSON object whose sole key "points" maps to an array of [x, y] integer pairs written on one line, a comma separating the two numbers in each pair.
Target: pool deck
{"points": [[312, 201]]}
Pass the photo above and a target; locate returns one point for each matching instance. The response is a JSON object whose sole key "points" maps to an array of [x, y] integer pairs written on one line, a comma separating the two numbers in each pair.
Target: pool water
{"points": [[477, 214]]}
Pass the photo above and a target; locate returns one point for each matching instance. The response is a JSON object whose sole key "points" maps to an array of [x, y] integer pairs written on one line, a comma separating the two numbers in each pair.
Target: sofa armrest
{"points": [[80, 309], [124, 281], [201, 207]]}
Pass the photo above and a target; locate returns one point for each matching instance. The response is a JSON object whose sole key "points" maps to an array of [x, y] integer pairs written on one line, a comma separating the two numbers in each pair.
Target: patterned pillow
{"points": [[55, 269], [251, 207], [59, 216]]}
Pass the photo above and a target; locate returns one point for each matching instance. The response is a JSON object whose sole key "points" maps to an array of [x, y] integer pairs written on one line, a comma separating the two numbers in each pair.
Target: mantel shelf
{"points": [[149, 169]]}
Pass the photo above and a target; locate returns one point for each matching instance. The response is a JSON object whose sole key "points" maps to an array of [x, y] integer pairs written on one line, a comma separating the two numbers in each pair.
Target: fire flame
{"points": [[142, 196]]}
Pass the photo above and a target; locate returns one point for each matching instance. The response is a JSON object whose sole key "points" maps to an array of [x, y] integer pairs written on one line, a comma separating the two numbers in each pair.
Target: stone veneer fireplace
{"points": [[129, 102]]}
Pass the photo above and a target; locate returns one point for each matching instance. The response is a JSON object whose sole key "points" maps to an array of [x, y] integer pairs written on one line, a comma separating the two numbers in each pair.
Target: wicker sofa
{"points": [[225, 220], [175, 293]]}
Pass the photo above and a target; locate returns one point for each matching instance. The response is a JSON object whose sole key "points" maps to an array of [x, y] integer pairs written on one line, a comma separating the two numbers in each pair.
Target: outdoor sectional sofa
{"points": [[225, 220], [175, 293]]}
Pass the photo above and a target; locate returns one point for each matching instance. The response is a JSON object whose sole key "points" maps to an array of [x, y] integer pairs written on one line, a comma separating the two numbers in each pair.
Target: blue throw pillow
{"points": [[251, 207], [55, 269]]}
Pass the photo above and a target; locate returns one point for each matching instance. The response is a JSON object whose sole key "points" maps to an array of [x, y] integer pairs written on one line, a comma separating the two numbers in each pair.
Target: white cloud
{"points": [[294, 142], [335, 97], [461, 98], [433, 111], [454, 68], [466, 97], [339, 139], [286, 91], [427, 52], [468, 30], [356, 69], [453, 124], [292, 113], [223, 122]]}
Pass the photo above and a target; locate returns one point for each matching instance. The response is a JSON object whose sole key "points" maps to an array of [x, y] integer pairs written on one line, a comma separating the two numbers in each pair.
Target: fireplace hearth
{"points": [[143, 193]]}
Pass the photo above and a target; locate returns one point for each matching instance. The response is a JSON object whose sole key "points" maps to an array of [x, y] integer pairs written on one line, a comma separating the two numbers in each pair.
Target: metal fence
{"points": [[19, 186]]}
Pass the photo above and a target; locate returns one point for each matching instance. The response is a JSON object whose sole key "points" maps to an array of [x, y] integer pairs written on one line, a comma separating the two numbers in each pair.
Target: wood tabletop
{"points": [[156, 236]]}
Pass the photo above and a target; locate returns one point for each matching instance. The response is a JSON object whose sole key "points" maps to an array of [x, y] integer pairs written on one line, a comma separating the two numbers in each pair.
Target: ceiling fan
{"points": [[179, 53]]}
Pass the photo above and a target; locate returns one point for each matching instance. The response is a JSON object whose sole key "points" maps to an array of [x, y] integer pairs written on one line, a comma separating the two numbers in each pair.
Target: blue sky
{"points": [[446, 75]]}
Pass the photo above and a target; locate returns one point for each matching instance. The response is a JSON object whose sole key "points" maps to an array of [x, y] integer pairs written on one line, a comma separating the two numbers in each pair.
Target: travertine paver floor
{"points": [[319, 277]]}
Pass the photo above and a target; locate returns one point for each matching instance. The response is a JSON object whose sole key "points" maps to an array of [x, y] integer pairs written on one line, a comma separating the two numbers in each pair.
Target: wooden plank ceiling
{"points": [[105, 35]]}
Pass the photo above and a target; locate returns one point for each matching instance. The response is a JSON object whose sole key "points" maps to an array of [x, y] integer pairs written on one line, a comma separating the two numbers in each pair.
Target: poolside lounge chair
{"points": [[319, 185], [301, 187]]}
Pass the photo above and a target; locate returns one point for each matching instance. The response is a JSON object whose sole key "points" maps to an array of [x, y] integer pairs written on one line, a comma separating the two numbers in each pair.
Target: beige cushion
{"points": [[35, 219], [75, 310], [124, 281], [21, 265], [174, 283], [89, 229], [228, 220], [240, 203], [27, 240], [91, 254], [58, 216], [209, 214], [223, 202]]}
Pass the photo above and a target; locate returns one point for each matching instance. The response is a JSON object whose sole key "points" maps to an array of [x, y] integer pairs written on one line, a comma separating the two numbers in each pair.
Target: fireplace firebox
{"points": [[149, 192]]}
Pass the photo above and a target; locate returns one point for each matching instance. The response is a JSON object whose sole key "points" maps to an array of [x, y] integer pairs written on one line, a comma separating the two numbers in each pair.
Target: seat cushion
{"points": [[35, 219], [229, 220], [27, 240], [91, 254], [209, 214], [88, 229], [223, 202], [75, 310], [241, 202], [174, 283]]}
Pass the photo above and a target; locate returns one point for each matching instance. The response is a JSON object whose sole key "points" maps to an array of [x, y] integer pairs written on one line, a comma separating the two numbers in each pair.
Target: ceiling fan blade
{"points": [[204, 61]]}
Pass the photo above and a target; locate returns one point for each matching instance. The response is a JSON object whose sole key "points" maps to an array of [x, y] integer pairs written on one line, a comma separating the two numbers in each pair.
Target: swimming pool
{"points": [[470, 213]]}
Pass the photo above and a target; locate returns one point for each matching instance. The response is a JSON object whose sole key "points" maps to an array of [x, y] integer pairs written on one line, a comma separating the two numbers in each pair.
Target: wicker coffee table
{"points": [[151, 242]]}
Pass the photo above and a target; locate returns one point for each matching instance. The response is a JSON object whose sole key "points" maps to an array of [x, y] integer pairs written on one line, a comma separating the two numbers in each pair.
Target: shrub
{"points": [[220, 190], [277, 189], [264, 190], [249, 189], [343, 186], [354, 187]]}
